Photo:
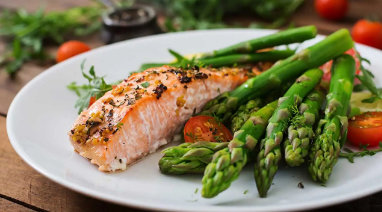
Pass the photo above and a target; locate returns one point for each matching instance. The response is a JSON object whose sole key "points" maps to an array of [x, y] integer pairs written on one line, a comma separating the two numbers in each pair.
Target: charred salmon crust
{"points": [[145, 110]]}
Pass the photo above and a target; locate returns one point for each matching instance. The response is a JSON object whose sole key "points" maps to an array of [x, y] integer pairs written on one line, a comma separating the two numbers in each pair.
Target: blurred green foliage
{"points": [[204, 14], [27, 33]]}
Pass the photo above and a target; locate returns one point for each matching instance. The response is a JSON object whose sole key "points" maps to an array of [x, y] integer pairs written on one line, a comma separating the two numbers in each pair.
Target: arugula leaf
{"points": [[96, 87]]}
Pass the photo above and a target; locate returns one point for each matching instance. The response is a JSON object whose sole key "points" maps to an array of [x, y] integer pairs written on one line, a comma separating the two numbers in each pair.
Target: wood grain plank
{"points": [[21, 182], [6, 205]]}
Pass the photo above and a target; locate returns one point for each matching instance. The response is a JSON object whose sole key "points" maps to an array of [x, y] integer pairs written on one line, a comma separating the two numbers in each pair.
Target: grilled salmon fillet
{"points": [[145, 111]]}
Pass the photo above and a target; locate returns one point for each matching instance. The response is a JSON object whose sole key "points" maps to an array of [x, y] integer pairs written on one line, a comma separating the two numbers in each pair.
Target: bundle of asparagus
{"points": [[270, 152], [227, 163], [289, 69], [296, 113]]}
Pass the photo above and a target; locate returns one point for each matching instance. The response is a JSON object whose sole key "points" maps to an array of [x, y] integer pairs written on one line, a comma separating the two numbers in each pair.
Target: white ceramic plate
{"points": [[42, 113]]}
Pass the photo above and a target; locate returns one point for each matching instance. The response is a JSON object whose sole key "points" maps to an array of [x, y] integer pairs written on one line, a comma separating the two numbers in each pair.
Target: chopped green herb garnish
{"points": [[119, 125], [196, 190], [145, 84]]}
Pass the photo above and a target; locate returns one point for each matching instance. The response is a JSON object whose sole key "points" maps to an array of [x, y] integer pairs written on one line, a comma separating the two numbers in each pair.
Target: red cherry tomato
{"points": [[331, 9], [205, 128], [92, 100], [365, 129], [70, 49], [368, 33]]}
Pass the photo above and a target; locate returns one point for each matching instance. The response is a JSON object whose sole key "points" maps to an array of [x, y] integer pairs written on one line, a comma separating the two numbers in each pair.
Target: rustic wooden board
{"points": [[6, 205]]}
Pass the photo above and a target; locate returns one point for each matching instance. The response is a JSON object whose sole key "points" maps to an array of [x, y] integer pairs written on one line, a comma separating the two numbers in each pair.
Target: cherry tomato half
{"points": [[70, 49], [92, 100], [365, 129], [368, 33], [331, 9], [205, 128]]}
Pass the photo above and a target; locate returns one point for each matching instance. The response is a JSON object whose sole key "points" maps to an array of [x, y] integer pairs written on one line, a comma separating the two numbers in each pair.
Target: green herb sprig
{"points": [[350, 155], [96, 87], [367, 82]]}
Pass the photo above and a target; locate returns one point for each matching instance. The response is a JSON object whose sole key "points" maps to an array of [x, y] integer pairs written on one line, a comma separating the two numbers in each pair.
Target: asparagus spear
{"points": [[270, 153], [185, 158], [189, 158], [287, 70], [227, 60], [300, 130], [332, 129], [244, 112], [227, 163], [249, 47], [289, 36]]}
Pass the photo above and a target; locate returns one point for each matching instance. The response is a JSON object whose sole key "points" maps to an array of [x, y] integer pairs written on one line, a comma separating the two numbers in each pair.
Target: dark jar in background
{"points": [[127, 23]]}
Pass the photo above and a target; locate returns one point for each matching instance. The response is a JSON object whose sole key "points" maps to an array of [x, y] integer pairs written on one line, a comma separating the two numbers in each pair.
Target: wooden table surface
{"points": [[23, 189]]}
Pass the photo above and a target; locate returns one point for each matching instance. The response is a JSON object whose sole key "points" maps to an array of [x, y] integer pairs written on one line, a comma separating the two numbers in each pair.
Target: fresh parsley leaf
{"points": [[96, 87]]}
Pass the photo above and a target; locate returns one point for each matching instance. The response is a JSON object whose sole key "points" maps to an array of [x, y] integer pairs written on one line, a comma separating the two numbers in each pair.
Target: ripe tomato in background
{"points": [[368, 33], [205, 128], [365, 129], [331, 9], [70, 49]]}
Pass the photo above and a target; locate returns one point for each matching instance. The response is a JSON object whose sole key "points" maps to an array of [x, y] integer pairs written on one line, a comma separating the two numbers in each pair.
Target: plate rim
{"points": [[155, 206]]}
